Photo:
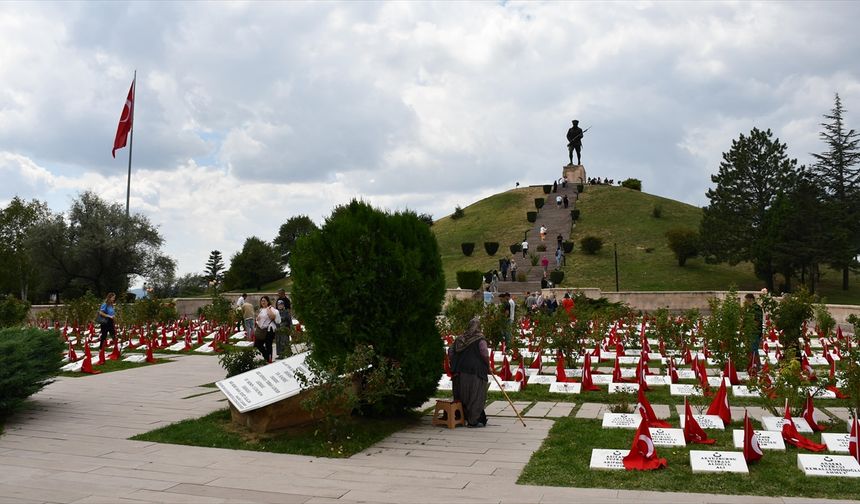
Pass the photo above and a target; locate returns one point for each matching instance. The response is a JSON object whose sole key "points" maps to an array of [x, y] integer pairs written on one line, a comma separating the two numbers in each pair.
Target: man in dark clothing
{"points": [[504, 264], [574, 142]]}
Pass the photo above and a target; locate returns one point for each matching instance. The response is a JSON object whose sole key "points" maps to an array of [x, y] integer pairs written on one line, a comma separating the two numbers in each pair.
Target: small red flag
{"points": [[720, 405], [560, 375], [752, 450], [693, 432], [791, 436], [647, 412], [643, 455], [587, 383], [853, 447], [126, 119], [809, 414]]}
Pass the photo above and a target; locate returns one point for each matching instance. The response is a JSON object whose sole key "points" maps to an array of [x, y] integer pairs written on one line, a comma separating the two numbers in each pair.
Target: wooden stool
{"points": [[451, 408]]}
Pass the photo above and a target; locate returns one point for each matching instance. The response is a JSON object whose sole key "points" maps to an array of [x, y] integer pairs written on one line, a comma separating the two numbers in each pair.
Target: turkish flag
{"points": [[647, 412], [505, 373], [643, 455], [560, 375], [673, 373], [731, 373], [752, 450], [720, 405], [616, 374], [520, 375], [693, 432], [853, 447], [809, 414], [587, 384], [537, 360], [126, 119], [791, 436]]}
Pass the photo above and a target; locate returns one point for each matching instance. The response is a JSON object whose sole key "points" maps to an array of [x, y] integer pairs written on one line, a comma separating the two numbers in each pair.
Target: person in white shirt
{"points": [[267, 322], [525, 248], [238, 310]]}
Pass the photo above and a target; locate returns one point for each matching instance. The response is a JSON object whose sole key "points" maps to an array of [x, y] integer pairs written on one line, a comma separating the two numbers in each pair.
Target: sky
{"points": [[250, 113]]}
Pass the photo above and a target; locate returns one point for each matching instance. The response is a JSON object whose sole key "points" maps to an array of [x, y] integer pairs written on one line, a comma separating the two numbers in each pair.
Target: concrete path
{"points": [[71, 446]]}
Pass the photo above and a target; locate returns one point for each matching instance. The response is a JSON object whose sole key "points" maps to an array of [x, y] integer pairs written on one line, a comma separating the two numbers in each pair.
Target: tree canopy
{"points": [[254, 266], [289, 233], [18, 270]]}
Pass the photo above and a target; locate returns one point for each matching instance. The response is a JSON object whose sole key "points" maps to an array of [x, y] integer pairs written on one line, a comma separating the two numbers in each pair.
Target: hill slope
{"points": [[618, 215]]}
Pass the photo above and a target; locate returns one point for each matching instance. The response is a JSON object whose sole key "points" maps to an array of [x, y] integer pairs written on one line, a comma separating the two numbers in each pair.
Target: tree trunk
{"points": [[845, 277]]}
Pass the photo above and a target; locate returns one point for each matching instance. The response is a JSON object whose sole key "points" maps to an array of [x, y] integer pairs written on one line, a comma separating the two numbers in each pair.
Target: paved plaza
{"points": [[71, 446]]}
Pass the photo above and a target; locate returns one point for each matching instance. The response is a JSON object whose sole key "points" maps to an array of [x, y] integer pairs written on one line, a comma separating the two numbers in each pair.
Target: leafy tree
{"points": [[684, 243], [214, 266], [373, 278], [17, 268], [838, 171], [735, 226], [289, 233], [190, 284], [162, 277], [254, 266], [96, 247]]}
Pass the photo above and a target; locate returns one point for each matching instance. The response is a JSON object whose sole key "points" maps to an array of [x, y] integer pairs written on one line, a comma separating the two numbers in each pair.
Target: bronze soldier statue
{"points": [[574, 142]]}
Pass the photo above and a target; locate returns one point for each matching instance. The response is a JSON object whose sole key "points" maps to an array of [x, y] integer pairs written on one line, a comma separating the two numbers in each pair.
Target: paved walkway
{"points": [[72, 447]]}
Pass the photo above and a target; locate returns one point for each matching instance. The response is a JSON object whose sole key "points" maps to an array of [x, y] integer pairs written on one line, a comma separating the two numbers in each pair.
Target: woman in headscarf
{"points": [[470, 364]]}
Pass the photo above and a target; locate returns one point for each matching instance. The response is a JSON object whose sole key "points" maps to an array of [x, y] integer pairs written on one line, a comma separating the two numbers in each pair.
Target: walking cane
{"points": [[506, 397]]}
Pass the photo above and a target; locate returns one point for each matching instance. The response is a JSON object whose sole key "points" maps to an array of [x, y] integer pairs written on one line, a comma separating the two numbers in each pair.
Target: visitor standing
{"points": [[248, 319], [513, 262], [106, 319], [544, 263], [470, 362], [558, 240], [239, 302], [558, 201], [504, 264], [542, 232], [282, 338], [268, 319], [525, 247], [565, 201]]}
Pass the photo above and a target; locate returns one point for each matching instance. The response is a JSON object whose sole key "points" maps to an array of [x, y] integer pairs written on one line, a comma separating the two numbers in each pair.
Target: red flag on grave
{"points": [[126, 120], [560, 375], [505, 373], [673, 373], [640, 377], [809, 414], [731, 373], [520, 375], [853, 446], [791, 436], [644, 408], [101, 356], [752, 449], [587, 384], [149, 358], [536, 362], [115, 354], [643, 455], [720, 405], [446, 364], [693, 432], [72, 355], [87, 366], [616, 374], [807, 368]]}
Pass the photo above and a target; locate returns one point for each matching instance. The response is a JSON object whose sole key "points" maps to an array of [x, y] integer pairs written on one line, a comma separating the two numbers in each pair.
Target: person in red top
{"points": [[567, 302]]}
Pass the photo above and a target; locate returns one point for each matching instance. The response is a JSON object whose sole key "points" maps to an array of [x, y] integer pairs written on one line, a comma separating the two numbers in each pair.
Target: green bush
{"points": [[580, 188], [657, 211], [521, 276], [369, 277], [547, 188], [556, 277], [567, 246], [591, 244], [539, 203], [470, 279], [531, 216], [29, 359], [574, 214], [459, 213], [515, 248], [220, 310], [632, 183], [684, 243], [12, 311], [541, 248], [238, 360], [491, 247], [467, 248], [82, 310]]}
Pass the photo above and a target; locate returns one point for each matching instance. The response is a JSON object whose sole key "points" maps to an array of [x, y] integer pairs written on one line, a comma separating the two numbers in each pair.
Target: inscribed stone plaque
{"points": [[445, 383], [628, 360], [604, 355], [177, 347], [205, 348], [706, 421], [684, 389], [565, 388], [686, 374], [623, 388], [657, 380], [628, 372], [667, 437], [835, 442], [744, 391], [767, 440], [607, 459], [824, 394], [818, 360], [773, 423], [601, 379], [541, 378], [135, 358], [714, 381], [621, 420], [573, 373], [243, 343], [265, 385], [717, 461], [840, 466], [508, 386]]}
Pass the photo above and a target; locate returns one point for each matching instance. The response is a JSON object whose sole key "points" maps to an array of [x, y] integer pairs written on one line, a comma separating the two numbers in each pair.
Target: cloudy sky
{"points": [[250, 113]]}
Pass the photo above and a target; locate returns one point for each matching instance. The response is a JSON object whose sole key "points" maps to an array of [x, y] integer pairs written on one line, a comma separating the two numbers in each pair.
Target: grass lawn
{"points": [[217, 431], [564, 457], [110, 366]]}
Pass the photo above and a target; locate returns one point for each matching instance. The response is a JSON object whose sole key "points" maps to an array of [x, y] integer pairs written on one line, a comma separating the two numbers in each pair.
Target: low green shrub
{"points": [[521, 276], [632, 183], [591, 244], [531, 216], [684, 243], [539, 203], [567, 246], [13, 312], [491, 247], [580, 188], [240, 360], [459, 213], [470, 279], [541, 248], [574, 214], [556, 277], [547, 188], [515, 248], [657, 211], [467, 248], [29, 359]]}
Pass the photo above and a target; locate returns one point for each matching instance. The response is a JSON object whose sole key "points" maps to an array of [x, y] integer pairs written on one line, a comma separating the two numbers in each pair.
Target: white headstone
{"points": [[684, 389], [73, 367], [767, 440], [627, 372], [265, 385], [686, 374], [205, 348], [628, 360], [621, 420], [706, 421], [840, 466], [607, 459], [818, 360], [824, 394], [714, 381], [623, 388], [658, 380], [243, 343], [565, 388], [135, 358], [773, 423], [744, 391], [717, 462], [835, 442], [541, 378], [601, 379], [508, 386], [667, 437], [177, 347], [604, 355]]}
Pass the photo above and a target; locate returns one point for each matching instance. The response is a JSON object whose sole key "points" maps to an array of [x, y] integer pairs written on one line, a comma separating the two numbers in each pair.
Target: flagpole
{"points": [[130, 144]]}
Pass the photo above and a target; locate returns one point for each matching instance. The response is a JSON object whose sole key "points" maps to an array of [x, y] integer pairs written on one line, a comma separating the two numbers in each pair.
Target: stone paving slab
{"points": [[540, 409], [839, 412], [70, 446], [592, 411], [561, 409]]}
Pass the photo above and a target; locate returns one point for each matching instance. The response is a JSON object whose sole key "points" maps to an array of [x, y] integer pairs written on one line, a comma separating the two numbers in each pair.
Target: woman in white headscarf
{"points": [[470, 363]]}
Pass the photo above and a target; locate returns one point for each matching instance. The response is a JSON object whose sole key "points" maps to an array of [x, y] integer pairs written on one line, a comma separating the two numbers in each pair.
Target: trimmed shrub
{"points": [[574, 214], [467, 248], [29, 359], [657, 211], [470, 279], [373, 278], [567, 246], [580, 188], [521, 276], [491, 247], [591, 244], [547, 188], [458, 213], [516, 248], [531, 216], [684, 243], [556, 277], [238, 360], [12, 311], [541, 248], [632, 183], [539, 203]]}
